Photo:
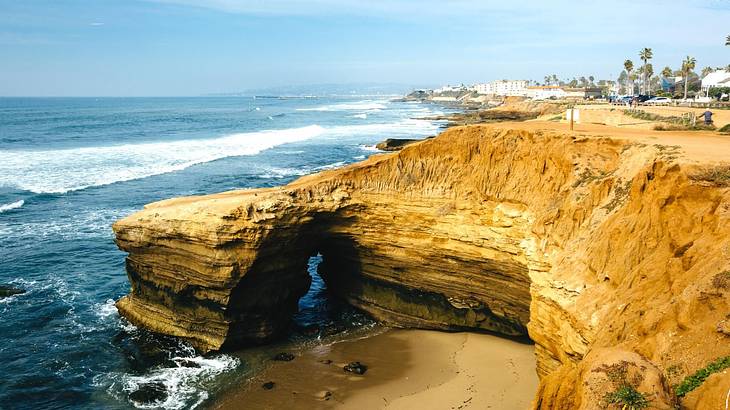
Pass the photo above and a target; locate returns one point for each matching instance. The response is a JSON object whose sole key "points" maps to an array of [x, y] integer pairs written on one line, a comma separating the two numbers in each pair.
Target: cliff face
{"points": [[605, 252]]}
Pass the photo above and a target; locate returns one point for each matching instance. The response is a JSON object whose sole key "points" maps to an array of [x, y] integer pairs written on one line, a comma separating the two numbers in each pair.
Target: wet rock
{"points": [[268, 385], [283, 357], [394, 144], [310, 331], [187, 363], [355, 367], [148, 394], [6, 291]]}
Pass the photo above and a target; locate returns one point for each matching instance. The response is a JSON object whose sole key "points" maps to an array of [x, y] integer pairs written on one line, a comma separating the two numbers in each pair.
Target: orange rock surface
{"points": [[605, 250]]}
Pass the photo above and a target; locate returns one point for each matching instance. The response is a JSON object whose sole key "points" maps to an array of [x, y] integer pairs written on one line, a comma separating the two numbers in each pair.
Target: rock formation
{"points": [[606, 253]]}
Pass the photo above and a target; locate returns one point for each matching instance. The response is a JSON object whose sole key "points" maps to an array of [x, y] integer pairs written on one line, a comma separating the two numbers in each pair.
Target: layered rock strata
{"points": [[586, 244]]}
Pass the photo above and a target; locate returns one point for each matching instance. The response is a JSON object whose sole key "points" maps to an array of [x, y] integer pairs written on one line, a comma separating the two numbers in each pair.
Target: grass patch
{"points": [[672, 123], [725, 129], [628, 397], [717, 176], [681, 127], [643, 115], [695, 380], [625, 393]]}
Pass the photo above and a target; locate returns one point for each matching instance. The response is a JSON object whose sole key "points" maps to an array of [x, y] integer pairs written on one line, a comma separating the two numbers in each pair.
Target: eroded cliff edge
{"points": [[606, 252]]}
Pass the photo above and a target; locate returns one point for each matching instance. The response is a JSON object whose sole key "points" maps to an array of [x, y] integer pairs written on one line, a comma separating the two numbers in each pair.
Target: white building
{"points": [[449, 88], [719, 78], [503, 87], [546, 92]]}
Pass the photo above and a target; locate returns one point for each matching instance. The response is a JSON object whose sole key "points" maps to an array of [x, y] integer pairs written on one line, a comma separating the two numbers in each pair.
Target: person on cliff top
{"points": [[708, 117]]}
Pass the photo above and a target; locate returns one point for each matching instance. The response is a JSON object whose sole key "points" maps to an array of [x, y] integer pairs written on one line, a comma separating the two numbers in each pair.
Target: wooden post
{"points": [[572, 116]]}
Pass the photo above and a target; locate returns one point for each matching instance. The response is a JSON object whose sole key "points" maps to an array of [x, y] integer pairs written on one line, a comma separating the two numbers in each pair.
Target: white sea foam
{"points": [[59, 171], [330, 166], [369, 148], [361, 116], [12, 205], [366, 105], [106, 309], [185, 384], [83, 224]]}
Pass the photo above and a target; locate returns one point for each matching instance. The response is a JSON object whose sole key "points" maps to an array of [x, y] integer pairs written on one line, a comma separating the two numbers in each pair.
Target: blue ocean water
{"points": [[70, 167]]}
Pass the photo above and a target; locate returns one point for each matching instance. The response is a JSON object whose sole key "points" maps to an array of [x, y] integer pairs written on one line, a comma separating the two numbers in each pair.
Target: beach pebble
{"points": [[268, 385], [284, 357], [355, 367], [148, 394], [324, 395]]}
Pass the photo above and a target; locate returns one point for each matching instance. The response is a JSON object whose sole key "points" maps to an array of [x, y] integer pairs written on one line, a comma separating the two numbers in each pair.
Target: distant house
{"points": [[715, 79], [558, 92], [585, 93], [545, 92], [506, 88]]}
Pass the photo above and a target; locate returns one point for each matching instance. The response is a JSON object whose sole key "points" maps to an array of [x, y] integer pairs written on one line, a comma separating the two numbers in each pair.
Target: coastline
{"points": [[406, 369]]}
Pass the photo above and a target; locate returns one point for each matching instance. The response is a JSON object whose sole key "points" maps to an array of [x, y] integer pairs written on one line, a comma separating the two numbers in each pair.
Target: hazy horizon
{"points": [[195, 48]]}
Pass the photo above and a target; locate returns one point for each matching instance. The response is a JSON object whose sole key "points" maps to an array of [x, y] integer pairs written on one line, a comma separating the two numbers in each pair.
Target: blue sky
{"points": [[193, 47]]}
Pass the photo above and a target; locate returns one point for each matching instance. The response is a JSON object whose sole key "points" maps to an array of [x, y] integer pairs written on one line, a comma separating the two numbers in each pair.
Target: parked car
{"points": [[658, 101]]}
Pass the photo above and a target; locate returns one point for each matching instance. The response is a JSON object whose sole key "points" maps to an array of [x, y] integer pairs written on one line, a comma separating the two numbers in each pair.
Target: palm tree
{"points": [[727, 41], [648, 73], [688, 65], [629, 66], [667, 72], [646, 54]]}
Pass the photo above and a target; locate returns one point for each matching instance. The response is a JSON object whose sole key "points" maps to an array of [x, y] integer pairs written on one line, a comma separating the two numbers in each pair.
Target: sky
{"points": [[198, 47]]}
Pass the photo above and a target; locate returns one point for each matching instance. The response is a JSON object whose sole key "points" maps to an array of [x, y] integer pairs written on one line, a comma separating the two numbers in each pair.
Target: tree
{"points": [[648, 73], [592, 79], [645, 54], [706, 70], [688, 65], [629, 66], [727, 41], [667, 72]]}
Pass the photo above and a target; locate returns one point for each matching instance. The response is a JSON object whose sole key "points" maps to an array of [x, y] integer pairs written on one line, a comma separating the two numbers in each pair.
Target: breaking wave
{"points": [[64, 170], [12, 205]]}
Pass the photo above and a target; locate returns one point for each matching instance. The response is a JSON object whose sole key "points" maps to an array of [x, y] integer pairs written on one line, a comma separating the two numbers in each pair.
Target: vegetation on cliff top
{"points": [[718, 176], [695, 380]]}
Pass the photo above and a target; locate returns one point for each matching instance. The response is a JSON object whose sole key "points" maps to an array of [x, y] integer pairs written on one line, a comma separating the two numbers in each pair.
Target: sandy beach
{"points": [[406, 369]]}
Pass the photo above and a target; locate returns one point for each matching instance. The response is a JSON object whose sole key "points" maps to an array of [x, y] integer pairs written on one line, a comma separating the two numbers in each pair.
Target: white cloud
{"points": [[96, 24]]}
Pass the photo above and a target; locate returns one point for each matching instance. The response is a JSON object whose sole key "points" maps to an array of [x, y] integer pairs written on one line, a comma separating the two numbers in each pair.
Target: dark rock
{"points": [[326, 361], [148, 394], [284, 357], [394, 144], [9, 291], [355, 367], [187, 363], [311, 330], [268, 385], [324, 395]]}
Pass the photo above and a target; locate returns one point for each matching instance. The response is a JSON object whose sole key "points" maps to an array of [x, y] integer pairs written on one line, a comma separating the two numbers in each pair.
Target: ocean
{"points": [[70, 167]]}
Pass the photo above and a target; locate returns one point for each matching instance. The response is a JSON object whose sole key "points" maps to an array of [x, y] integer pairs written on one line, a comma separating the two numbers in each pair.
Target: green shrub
{"points": [[695, 380], [726, 128], [628, 397], [717, 176]]}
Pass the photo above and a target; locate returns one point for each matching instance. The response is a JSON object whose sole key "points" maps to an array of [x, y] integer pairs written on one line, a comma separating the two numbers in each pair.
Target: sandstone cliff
{"points": [[606, 253]]}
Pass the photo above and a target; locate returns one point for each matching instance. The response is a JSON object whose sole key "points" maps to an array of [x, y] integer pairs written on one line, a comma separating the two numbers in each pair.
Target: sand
{"points": [[407, 369]]}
